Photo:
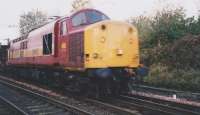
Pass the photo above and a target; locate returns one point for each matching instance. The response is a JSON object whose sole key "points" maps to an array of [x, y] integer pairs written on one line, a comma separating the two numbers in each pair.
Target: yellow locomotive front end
{"points": [[110, 44]]}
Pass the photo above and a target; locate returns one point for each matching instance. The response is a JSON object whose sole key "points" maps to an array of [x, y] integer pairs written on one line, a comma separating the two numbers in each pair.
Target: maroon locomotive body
{"points": [[56, 44]]}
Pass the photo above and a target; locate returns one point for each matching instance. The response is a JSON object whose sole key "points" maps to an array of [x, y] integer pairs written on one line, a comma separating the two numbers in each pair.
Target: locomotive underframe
{"points": [[93, 82]]}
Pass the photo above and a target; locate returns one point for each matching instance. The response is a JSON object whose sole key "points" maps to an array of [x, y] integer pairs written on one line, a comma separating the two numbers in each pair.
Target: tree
{"points": [[193, 25], [31, 20], [168, 25], [80, 4], [143, 24]]}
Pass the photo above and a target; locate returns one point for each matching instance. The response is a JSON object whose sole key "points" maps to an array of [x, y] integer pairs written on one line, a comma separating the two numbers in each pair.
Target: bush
{"points": [[176, 65], [162, 76], [184, 53], [170, 47]]}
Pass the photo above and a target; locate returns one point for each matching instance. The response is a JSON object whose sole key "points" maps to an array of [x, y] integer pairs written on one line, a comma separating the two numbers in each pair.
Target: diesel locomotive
{"points": [[86, 52]]}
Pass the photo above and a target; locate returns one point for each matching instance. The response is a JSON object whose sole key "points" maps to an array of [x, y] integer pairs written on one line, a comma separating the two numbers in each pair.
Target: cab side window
{"points": [[79, 19], [63, 28], [47, 44]]}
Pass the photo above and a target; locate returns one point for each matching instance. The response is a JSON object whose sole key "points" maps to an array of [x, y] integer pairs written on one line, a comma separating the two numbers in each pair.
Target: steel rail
{"points": [[13, 106], [118, 109], [147, 104], [167, 91], [50, 100]]}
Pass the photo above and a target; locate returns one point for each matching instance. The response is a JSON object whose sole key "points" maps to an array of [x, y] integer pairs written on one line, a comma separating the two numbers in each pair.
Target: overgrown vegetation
{"points": [[170, 47]]}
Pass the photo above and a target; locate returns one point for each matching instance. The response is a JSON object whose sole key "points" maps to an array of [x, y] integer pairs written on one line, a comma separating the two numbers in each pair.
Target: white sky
{"points": [[10, 10]]}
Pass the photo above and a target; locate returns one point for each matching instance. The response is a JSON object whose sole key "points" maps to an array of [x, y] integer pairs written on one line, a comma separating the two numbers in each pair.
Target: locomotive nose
{"points": [[111, 44]]}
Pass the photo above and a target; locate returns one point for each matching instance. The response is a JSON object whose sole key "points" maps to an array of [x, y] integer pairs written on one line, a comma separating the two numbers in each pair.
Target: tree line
{"points": [[170, 47]]}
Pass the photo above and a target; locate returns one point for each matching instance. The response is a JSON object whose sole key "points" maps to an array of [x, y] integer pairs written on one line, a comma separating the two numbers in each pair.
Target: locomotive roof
{"points": [[50, 24], [23, 37]]}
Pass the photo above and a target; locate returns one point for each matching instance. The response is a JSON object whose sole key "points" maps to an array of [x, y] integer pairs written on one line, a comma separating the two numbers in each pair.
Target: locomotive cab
{"points": [[102, 43], [96, 43]]}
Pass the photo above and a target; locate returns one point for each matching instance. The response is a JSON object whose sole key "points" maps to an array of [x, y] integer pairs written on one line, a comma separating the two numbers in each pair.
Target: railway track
{"points": [[168, 103], [137, 106], [8, 108], [32, 103], [126, 105], [161, 106], [167, 92], [106, 109], [114, 107]]}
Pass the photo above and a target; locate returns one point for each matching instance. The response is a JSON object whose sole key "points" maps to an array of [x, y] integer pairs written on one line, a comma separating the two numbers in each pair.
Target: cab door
{"points": [[62, 40]]}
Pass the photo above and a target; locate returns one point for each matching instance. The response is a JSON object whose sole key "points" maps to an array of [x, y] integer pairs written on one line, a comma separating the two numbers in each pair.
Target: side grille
{"points": [[76, 49]]}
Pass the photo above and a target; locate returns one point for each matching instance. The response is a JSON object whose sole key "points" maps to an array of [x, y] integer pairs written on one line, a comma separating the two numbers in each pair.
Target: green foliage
{"points": [[170, 46], [181, 54], [167, 25], [162, 76], [143, 25], [184, 53], [175, 65], [193, 25]]}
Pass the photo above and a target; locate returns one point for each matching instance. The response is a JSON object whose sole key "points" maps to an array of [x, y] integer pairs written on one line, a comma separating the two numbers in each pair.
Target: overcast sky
{"points": [[10, 10]]}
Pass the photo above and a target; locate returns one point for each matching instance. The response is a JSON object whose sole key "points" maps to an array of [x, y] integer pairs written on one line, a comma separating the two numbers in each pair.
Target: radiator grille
{"points": [[76, 49]]}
